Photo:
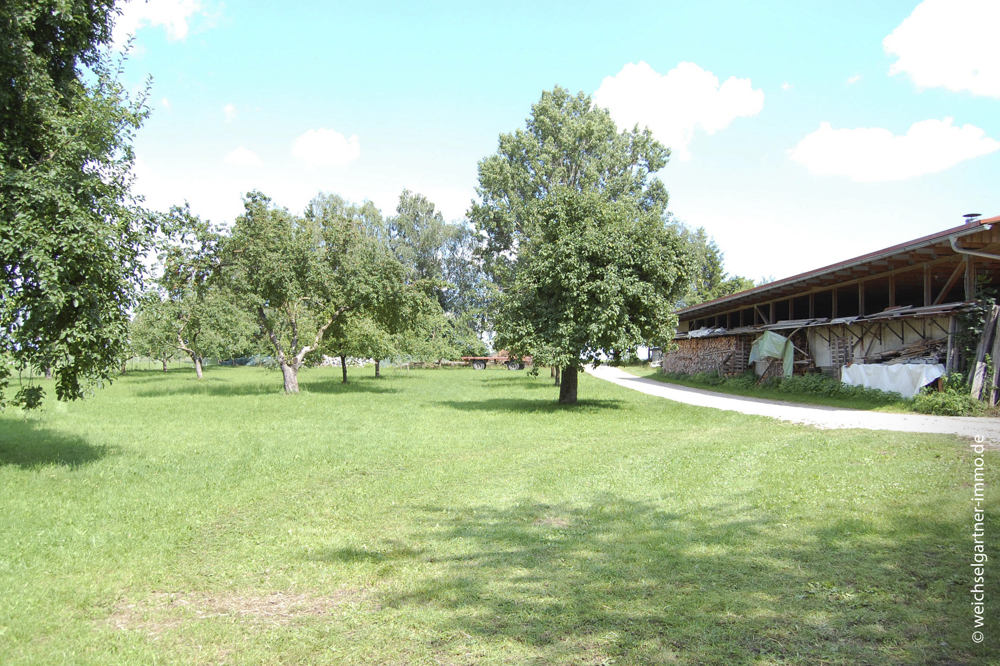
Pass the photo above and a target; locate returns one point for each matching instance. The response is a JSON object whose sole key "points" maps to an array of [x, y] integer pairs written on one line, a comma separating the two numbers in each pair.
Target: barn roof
{"points": [[900, 260]]}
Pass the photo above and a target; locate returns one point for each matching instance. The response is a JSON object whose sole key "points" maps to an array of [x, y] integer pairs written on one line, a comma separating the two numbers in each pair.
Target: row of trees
{"points": [[571, 255], [339, 280]]}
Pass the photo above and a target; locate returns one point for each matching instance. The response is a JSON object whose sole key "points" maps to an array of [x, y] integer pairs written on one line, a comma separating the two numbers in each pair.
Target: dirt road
{"points": [[814, 415]]}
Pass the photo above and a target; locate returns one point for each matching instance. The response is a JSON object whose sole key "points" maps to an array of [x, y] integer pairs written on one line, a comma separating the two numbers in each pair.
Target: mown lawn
{"points": [[461, 517]]}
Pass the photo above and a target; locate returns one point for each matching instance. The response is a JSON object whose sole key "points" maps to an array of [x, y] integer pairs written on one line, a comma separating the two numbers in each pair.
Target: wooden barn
{"points": [[897, 306]]}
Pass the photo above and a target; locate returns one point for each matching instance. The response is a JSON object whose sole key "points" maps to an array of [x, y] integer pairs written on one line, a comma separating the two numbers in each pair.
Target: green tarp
{"points": [[772, 345]]}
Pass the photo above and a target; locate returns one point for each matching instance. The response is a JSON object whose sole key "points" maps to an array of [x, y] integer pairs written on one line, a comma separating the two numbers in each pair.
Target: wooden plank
{"points": [[991, 382], [812, 306], [977, 374], [861, 299], [963, 265], [892, 290]]}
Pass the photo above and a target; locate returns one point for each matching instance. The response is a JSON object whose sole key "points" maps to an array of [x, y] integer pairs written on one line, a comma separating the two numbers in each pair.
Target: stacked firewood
{"points": [[700, 355], [924, 350]]}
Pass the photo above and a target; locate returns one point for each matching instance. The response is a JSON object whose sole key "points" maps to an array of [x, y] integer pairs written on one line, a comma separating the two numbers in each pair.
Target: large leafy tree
{"points": [[204, 318], [71, 237], [576, 238], [300, 275], [709, 279], [441, 256]]}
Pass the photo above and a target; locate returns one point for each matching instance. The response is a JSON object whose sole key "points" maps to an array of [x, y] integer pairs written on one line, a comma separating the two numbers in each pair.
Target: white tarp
{"points": [[903, 378]]}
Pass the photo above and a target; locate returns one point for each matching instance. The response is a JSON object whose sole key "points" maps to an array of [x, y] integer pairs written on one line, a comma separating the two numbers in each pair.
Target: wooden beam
{"points": [[772, 313], [812, 306], [970, 278], [833, 295], [831, 281], [861, 299], [892, 292], [928, 296], [951, 282], [762, 315]]}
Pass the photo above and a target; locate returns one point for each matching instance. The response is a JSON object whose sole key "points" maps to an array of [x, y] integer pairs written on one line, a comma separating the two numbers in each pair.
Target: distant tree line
{"points": [[338, 280]]}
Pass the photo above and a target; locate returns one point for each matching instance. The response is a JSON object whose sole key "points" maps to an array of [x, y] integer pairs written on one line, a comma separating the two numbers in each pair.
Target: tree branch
{"points": [[319, 335]]}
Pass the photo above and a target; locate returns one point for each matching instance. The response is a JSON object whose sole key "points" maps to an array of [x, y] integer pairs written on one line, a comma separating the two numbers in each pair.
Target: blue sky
{"points": [[800, 134]]}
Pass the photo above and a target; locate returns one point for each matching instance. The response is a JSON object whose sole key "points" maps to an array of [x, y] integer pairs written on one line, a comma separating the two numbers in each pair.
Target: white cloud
{"points": [[325, 147], [854, 79], [872, 154], [229, 111], [950, 44], [171, 14], [672, 105], [165, 103], [243, 157], [786, 86]]}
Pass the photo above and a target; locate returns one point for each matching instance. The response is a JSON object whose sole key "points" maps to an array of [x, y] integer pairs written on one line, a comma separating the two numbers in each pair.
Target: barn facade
{"points": [[899, 305]]}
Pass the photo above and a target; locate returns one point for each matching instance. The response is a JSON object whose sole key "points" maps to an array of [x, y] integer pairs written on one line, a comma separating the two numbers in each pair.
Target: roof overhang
{"points": [[760, 294]]}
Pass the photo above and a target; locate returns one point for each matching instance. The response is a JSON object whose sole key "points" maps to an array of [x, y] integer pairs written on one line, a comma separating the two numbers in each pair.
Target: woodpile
{"points": [[701, 355], [925, 350]]}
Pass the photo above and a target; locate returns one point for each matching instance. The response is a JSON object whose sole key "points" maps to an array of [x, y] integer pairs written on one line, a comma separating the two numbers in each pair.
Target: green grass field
{"points": [[461, 517]]}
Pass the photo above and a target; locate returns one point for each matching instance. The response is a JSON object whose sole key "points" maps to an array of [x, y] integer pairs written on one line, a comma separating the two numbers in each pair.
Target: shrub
{"points": [[953, 400], [814, 384]]}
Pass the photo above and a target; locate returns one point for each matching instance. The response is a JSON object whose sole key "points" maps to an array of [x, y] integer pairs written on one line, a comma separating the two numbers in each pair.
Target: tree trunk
{"points": [[124, 366], [376, 369], [556, 372], [291, 375], [343, 365], [48, 373], [197, 365], [567, 388], [164, 364]]}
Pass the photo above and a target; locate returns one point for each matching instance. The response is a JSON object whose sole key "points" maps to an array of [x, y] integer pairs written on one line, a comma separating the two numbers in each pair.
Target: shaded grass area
{"points": [[901, 406], [461, 517]]}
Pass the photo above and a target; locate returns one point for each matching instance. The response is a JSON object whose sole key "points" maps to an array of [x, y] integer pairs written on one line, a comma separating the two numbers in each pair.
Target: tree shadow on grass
{"points": [[625, 581], [27, 445], [217, 387], [522, 382], [531, 406], [388, 552]]}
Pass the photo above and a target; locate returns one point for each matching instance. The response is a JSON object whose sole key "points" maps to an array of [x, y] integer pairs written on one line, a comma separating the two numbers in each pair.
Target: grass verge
{"points": [[877, 405]]}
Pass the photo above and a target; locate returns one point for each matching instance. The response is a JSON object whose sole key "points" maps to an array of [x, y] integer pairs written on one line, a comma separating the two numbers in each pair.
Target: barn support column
{"points": [[970, 277], [892, 290], [833, 300], [861, 299], [928, 296], [812, 306]]}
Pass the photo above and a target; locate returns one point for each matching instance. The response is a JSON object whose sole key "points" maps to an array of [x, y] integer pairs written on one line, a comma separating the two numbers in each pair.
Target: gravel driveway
{"points": [[814, 415]]}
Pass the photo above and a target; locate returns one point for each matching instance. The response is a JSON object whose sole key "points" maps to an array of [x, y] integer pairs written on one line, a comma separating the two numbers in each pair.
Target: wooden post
{"points": [[970, 278], [812, 306], [861, 299], [833, 296], [949, 363], [977, 374], [989, 393], [928, 296], [772, 312], [892, 290]]}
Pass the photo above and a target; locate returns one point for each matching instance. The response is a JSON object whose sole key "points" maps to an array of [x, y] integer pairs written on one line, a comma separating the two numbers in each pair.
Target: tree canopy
{"points": [[576, 237], [301, 275], [71, 236]]}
